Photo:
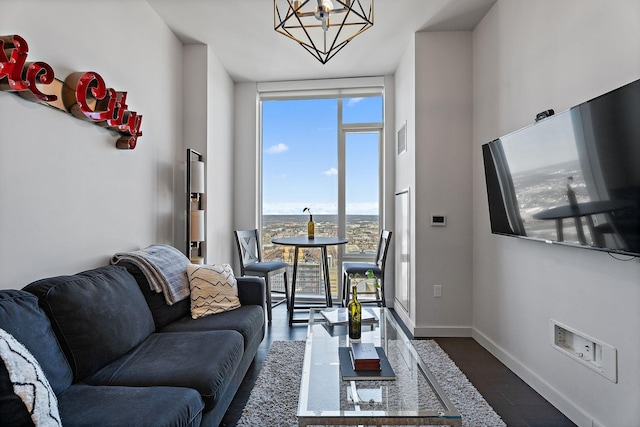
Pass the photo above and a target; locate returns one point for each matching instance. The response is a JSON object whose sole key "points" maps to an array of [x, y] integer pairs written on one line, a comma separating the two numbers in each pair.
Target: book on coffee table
{"points": [[339, 316], [348, 371], [364, 356]]}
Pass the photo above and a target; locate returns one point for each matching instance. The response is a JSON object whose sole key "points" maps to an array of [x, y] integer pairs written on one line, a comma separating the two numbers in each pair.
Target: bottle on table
{"points": [[311, 227], [355, 316]]}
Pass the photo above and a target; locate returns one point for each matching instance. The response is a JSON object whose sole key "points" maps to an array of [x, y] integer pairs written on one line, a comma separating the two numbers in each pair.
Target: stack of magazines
{"points": [[339, 316]]}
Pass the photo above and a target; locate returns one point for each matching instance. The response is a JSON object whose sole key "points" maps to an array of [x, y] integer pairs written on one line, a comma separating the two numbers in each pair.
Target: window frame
{"points": [[339, 89]]}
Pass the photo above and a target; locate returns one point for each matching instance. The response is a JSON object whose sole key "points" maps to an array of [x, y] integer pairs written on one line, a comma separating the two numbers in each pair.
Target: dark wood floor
{"points": [[517, 403]]}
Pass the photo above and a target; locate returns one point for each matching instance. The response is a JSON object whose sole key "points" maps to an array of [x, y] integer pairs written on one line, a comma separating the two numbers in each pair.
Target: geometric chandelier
{"points": [[322, 27]]}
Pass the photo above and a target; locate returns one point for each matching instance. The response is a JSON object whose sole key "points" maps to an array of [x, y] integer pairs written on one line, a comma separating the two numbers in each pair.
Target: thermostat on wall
{"points": [[438, 220]]}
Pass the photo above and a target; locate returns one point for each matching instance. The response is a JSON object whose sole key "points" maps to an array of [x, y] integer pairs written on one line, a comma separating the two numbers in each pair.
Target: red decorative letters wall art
{"points": [[85, 95]]}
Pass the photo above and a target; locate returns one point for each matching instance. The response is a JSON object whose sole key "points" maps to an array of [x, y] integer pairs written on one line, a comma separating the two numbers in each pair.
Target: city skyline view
{"points": [[362, 232]]}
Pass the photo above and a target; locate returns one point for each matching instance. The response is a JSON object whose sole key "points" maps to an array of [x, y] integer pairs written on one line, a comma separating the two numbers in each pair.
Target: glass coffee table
{"points": [[412, 397]]}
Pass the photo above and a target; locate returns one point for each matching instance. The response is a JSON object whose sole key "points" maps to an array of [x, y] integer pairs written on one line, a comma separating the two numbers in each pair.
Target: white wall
{"points": [[195, 133], [530, 56], [220, 163], [405, 111], [209, 129], [388, 185], [245, 180], [443, 182], [68, 198], [434, 97]]}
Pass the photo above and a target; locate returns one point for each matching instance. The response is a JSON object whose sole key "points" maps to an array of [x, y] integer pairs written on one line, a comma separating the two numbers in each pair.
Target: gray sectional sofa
{"points": [[115, 354]]}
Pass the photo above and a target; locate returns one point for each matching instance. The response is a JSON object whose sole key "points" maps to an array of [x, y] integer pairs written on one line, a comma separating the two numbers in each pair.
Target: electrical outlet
{"points": [[438, 220], [437, 291]]}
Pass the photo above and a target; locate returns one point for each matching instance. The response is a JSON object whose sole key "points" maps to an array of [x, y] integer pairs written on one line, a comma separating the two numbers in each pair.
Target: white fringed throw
{"points": [[29, 382]]}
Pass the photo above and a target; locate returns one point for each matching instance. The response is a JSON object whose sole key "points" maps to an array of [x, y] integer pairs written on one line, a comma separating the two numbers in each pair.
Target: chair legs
{"points": [[286, 290], [346, 292], [268, 283], [267, 280], [346, 287], [380, 295]]}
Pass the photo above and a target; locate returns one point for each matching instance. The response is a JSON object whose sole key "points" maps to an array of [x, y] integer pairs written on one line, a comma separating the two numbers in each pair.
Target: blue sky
{"points": [[300, 157]]}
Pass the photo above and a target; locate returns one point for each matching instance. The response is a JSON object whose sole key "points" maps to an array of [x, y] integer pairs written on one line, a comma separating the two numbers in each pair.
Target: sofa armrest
{"points": [[251, 290]]}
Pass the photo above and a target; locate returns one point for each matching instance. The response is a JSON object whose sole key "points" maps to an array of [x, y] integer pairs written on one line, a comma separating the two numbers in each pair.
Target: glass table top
{"points": [[413, 397]]}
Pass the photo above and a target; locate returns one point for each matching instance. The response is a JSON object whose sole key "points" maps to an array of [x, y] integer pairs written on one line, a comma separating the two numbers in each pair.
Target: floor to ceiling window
{"points": [[321, 153]]}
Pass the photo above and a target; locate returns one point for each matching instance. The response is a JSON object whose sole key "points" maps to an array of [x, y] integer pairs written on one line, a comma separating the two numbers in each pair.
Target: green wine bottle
{"points": [[355, 316], [311, 227]]}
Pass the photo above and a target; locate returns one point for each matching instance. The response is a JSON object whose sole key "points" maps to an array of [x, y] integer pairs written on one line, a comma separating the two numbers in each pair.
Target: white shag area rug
{"points": [[274, 398]]}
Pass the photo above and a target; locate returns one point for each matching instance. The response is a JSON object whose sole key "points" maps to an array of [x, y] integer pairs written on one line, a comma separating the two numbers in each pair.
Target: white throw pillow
{"points": [[29, 382], [213, 289]]}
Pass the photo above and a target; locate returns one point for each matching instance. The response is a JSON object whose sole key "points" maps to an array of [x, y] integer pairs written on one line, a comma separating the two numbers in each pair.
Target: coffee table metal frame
{"points": [[321, 378]]}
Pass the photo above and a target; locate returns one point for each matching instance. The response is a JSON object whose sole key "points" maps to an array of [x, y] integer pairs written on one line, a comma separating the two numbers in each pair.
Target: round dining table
{"points": [[300, 242]]}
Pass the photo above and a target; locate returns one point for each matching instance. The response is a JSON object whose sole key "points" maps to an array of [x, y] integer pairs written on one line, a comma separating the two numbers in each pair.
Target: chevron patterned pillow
{"points": [[29, 382], [213, 289]]}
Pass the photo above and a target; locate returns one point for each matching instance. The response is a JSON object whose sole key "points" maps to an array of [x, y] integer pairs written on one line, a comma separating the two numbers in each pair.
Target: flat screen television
{"points": [[572, 178]]}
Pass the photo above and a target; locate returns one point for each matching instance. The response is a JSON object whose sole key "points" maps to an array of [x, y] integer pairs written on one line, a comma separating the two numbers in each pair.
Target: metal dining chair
{"points": [[360, 269], [251, 264]]}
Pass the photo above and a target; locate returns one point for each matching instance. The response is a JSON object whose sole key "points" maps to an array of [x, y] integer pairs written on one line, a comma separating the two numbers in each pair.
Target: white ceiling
{"points": [[241, 34]]}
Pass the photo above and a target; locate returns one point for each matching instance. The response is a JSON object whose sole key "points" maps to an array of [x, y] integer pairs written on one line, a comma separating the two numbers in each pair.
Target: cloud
{"points": [[353, 101], [295, 208], [330, 172], [276, 149]]}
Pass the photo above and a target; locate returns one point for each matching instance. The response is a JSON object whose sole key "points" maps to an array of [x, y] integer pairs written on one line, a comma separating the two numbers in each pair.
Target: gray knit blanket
{"points": [[165, 268]]}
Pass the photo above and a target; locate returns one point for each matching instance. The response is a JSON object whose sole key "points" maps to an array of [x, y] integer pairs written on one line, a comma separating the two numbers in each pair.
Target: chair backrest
{"points": [[383, 248], [248, 243]]}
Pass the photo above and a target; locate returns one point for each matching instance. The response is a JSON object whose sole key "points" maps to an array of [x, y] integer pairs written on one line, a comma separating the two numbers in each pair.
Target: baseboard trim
{"points": [[557, 399]]}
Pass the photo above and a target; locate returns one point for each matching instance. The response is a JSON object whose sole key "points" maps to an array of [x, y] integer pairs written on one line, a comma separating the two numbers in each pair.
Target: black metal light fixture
{"points": [[322, 27]]}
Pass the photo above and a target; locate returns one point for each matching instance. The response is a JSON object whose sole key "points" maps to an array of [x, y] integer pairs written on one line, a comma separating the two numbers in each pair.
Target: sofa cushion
{"points": [[98, 315], [21, 317], [205, 361], [162, 313], [28, 381], [213, 289], [85, 405], [248, 320], [251, 290]]}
